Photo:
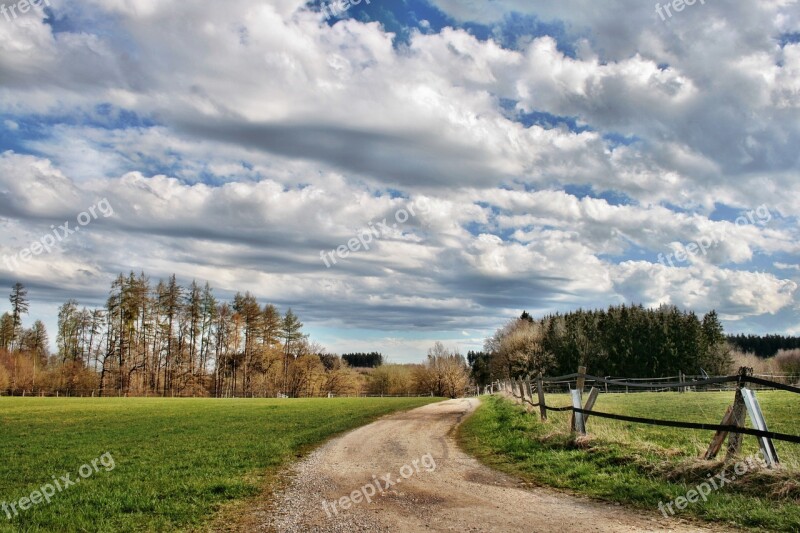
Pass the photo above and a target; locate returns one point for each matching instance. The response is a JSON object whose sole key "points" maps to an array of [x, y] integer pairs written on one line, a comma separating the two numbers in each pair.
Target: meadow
{"points": [[644, 465], [176, 462]]}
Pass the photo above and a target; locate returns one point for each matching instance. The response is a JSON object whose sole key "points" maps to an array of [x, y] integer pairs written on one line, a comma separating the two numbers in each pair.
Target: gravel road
{"points": [[436, 487]]}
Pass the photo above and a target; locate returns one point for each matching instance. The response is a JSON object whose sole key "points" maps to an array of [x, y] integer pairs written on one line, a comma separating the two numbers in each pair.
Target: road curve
{"points": [[457, 494]]}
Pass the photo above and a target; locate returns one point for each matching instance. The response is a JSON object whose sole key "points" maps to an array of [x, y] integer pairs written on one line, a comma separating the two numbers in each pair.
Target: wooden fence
{"points": [[532, 392]]}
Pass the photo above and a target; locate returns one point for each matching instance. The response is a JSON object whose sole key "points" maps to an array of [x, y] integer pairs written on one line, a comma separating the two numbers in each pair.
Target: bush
{"points": [[5, 378], [788, 362], [758, 364], [392, 380]]}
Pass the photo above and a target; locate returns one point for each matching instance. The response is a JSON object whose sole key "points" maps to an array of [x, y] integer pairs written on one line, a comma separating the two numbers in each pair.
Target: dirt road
{"points": [[436, 487]]}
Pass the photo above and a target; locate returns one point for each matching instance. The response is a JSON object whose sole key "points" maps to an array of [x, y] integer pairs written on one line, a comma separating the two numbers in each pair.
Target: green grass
{"points": [[641, 465], [177, 462]]}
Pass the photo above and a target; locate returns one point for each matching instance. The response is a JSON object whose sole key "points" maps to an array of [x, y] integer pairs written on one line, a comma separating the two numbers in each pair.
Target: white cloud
{"points": [[236, 141]]}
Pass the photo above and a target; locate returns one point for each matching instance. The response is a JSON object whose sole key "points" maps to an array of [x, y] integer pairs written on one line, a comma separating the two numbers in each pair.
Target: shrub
{"points": [[758, 364], [788, 361], [5, 378]]}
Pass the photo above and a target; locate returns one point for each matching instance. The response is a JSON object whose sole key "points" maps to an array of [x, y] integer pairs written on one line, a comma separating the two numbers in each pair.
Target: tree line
{"points": [[363, 360], [764, 345], [622, 341], [166, 339]]}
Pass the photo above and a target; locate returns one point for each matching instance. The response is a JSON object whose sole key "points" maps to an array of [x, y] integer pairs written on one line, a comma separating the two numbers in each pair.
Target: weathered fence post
{"points": [[738, 415], [581, 379], [540, 392], [719, 437], [590, 403]]}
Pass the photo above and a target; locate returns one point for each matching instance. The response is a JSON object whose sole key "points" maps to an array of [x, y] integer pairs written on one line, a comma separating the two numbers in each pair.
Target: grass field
{"points": [[175, 462], [643, 465]]}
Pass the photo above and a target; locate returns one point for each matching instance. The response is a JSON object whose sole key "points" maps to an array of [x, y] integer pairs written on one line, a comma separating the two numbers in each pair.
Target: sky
{"points": [[405, 171]]}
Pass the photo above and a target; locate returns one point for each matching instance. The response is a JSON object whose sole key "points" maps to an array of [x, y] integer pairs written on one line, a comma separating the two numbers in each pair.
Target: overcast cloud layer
{"points": [[556, 154]]}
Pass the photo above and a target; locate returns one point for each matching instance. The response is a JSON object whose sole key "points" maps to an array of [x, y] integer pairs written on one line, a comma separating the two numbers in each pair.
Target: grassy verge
{"points": [[176, 462], [642, 465]]}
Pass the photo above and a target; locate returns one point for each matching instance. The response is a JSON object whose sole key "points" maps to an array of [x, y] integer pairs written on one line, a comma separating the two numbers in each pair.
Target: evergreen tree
{"points": [[19, 307], [6, 331]]}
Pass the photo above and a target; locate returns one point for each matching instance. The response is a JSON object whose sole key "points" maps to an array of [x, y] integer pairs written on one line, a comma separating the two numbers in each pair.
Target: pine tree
{"points": [[6, 331], [19, 307]]}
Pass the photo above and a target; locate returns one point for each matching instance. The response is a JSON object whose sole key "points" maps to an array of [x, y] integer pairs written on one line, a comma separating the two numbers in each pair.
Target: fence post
{"points": [[590, 404], [576, 422], [738, 415], [757, 417], [540, 392], [719, 437], [581, 379]]}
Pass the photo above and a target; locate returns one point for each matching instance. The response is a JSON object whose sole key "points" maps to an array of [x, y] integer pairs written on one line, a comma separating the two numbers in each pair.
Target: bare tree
{"points": [[444, 374]]}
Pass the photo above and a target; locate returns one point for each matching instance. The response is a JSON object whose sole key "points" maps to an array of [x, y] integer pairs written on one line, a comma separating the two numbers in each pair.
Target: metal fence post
{"points": [[757, 417], [576, 423]]}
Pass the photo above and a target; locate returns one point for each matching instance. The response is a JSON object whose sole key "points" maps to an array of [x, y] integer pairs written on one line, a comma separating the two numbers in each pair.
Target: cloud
{"points": [[238, 141]]}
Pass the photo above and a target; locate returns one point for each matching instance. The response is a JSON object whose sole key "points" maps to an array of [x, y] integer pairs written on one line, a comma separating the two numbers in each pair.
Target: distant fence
{"points": [[116, 393], [532, 393], [679, 383]]}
